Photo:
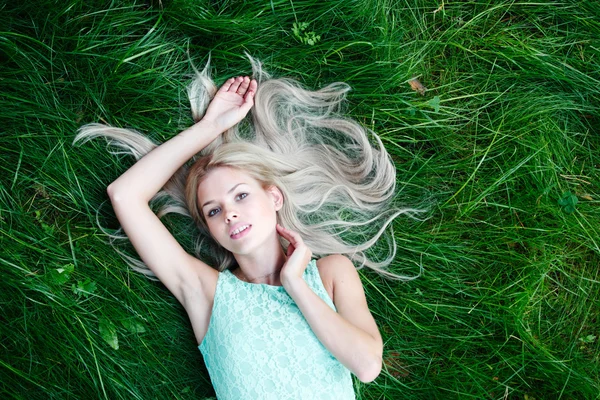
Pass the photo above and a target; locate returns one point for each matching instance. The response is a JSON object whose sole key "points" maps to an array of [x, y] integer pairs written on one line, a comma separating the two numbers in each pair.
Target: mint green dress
{"points": [[260, 346]]}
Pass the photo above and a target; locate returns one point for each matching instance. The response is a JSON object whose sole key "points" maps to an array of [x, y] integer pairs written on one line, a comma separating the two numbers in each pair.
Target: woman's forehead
{"points": [[222, 179]]}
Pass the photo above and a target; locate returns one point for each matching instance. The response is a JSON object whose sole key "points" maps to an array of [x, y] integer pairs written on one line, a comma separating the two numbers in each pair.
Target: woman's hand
{"points": [[231, 103], [298, 257]]}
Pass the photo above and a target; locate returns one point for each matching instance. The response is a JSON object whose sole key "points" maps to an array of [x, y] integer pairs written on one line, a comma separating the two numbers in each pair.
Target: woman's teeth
{"points": [[243, 228]]}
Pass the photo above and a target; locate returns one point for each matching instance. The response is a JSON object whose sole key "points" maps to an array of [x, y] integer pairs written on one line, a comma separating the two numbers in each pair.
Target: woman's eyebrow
{"points": [[230, 190]]}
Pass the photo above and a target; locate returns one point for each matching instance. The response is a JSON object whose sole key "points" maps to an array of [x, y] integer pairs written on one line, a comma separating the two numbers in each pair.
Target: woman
{"points": [[270, 321]]}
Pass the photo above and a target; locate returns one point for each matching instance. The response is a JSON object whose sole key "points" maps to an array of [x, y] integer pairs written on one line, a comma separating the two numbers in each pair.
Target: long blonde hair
{"points": [[332, 179]]}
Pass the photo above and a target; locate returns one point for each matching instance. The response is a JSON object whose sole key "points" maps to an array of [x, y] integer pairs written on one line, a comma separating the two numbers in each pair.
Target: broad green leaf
{"points": [[435, 103], [568, 202], [85, 288], [133, 326], [61, 275], [108, 332], [588, 339]]}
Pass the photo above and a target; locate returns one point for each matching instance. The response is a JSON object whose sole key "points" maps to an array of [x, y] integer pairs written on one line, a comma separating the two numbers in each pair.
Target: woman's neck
{"points": [[269, 279], [264, 267]]}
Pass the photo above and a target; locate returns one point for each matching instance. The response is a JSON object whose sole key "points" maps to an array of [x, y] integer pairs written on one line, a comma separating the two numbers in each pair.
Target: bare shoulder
{"points": [[333, 268]]}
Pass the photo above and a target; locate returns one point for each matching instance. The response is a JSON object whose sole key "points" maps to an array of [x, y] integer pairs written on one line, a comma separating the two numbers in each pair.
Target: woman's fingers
{"points": [[243, 86], [239, 85], [234, 88], [282, 232], [252, 85], [250, 92], [291, 236], [227, 85]]}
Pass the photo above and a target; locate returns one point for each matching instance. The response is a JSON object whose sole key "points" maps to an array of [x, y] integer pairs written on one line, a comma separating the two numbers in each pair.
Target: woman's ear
{"points": [[277, 197]]}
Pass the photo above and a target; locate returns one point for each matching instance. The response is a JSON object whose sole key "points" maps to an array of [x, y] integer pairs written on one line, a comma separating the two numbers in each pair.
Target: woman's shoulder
{"points": [[328, 264], [327, 267]]}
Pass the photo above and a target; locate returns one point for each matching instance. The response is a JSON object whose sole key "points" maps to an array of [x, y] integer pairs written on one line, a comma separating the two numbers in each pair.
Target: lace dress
{"points": [[260, 346]]}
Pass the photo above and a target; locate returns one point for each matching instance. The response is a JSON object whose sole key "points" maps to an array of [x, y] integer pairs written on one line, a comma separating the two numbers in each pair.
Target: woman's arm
{"points": [[146, 177], [350, 334], [184, 275]]}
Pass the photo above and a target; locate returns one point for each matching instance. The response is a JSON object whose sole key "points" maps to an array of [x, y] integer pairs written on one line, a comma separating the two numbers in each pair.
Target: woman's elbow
{"points": [[370, 373], [114, 193]]}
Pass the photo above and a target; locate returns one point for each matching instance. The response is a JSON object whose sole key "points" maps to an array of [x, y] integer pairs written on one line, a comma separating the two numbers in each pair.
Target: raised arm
{"points": [[145, 178], [132, 191]]}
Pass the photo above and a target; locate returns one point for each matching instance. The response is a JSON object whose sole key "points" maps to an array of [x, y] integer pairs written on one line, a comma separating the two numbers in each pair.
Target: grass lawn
{"points": [[501, 140]]}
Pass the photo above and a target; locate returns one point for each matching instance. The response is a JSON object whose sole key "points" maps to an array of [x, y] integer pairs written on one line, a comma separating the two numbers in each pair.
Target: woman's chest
{"points": [[242, 305]]}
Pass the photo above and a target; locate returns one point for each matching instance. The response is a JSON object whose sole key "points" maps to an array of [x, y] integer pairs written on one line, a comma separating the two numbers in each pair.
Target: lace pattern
{"points": [[260, 346]]}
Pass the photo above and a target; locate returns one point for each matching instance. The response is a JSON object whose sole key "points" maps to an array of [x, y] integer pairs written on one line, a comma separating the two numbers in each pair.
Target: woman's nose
{"points": [[230, 215]]}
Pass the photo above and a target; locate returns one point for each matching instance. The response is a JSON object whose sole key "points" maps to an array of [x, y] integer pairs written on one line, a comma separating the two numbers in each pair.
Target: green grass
{"points": [[509, 302]]}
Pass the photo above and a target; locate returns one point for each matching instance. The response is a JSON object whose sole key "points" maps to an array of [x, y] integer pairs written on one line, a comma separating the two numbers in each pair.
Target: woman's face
{"points": [[229, 199]]}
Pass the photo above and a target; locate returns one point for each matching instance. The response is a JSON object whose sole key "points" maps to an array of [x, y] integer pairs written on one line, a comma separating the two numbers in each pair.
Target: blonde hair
{"points": [[332, 179]]}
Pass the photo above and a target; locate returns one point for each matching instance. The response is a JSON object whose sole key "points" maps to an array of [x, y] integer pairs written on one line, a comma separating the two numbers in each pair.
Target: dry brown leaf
{"points": [[417, 86], [395, 366]]}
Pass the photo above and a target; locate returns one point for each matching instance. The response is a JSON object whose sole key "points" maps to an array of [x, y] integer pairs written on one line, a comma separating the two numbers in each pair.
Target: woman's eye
{"points": [[241, 196]]}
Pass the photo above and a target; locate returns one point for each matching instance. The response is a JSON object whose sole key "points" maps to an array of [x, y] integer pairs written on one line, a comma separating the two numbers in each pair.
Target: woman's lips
{"points": [[242, 233]]}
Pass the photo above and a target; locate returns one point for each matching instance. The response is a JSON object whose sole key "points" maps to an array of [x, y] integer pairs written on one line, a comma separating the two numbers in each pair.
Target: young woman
{"points": [[270, 321]]}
